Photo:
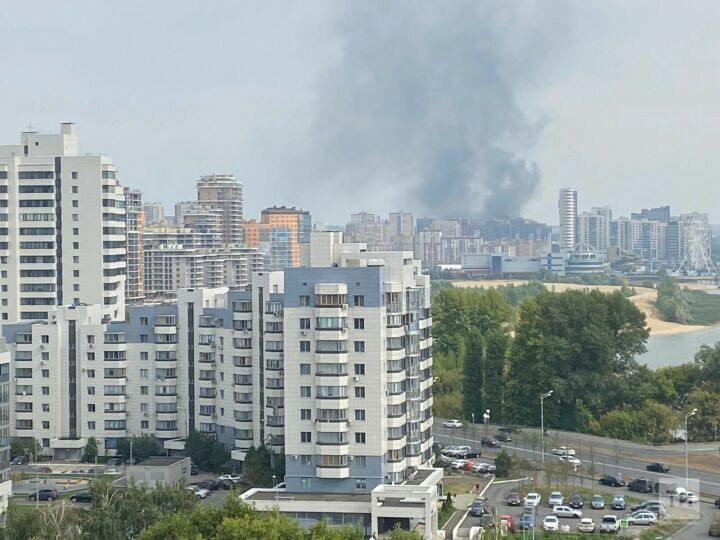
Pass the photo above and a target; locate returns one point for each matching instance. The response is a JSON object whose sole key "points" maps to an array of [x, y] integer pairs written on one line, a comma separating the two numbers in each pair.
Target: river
{"points": [[673, 349]]}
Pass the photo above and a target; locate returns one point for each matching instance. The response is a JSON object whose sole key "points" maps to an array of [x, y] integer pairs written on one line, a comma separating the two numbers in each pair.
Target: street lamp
{"points": [[486, 418], [542, 426], [687, 436]]}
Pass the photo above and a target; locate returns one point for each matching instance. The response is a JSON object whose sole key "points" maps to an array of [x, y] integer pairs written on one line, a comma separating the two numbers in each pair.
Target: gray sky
{"points": [[336, 107]]}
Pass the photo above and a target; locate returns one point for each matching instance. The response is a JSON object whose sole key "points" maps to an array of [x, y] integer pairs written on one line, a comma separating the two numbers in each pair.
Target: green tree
{"points": [[473, 380], [503, 464], [206, 452], [496, 348], [257, 470], [20, 524], [142, 447], [321, 531], [399, 534], [91, 451], [25, 446]]}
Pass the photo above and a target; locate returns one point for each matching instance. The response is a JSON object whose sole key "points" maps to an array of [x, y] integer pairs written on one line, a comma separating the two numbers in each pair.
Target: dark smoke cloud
{"points": [[423, 98]]}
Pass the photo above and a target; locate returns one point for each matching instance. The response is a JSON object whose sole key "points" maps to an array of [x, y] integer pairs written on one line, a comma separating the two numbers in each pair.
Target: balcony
{"points": [[333, 472]]}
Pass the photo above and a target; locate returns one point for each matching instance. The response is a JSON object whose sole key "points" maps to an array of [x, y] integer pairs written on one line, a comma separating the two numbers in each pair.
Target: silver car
{"points": [[566, 512], [642, 518]]}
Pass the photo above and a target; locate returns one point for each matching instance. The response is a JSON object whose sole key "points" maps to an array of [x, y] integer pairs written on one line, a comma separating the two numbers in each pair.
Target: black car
{"points": [[509, 429], [612, 480], [576, 501], [114, 462], [513, 499], [20, 460], [489, 442], [658, 467], [717, 503], [487, 521], [43, 495], [212, 485], [83, 496], [504, 437], [642, 485], [479, 507], [470, 454]]}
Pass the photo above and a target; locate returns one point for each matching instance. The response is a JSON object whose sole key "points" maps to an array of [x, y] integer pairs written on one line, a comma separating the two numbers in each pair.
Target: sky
{"points": [[478, 108]]}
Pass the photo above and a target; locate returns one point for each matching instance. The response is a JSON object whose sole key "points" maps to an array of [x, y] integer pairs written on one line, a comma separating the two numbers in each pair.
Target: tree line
{"points": [[491, 353]]}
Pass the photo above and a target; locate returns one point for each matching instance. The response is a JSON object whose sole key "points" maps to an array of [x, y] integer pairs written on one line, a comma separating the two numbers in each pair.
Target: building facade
{"points": [[223, 194], [567, 207], [134, 226], [62, 228]]}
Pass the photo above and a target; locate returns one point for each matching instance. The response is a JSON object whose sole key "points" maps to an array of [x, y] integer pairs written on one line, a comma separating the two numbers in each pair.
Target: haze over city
{"points": [[468, 109]]}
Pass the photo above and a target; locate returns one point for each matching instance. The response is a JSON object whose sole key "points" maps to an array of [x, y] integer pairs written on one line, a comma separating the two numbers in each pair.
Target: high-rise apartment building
{"points": [[223, 194], [5, 481], [62, 228], [567, 207], [282, 236], [154, 212], [593, 228], [134, 225]]}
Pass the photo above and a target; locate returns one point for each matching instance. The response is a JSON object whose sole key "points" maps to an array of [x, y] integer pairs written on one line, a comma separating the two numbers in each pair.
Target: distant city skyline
{"points": [[611, 105]]}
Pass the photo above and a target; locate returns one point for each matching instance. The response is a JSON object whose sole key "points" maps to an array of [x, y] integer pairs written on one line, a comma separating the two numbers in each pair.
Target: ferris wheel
{"points": [[696, 239]]}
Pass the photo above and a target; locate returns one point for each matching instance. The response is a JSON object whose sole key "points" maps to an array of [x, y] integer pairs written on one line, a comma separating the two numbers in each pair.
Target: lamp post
{"points": [[687, 436], [542, 426], [486, 419]]}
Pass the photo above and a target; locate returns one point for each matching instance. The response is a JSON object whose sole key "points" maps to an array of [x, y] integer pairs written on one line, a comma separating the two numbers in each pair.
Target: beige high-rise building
{"points": [[134, 225], [223, 194]]}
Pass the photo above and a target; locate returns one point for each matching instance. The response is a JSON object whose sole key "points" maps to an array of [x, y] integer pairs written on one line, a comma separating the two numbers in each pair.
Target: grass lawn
{"points": [[704, 308]]}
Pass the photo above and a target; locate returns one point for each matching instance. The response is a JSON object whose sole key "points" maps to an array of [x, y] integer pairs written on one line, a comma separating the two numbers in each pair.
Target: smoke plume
{"points": [[423, 100]]}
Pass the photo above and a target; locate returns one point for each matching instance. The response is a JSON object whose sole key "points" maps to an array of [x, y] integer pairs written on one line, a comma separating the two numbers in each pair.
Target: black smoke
{"points": [[423, 99]]}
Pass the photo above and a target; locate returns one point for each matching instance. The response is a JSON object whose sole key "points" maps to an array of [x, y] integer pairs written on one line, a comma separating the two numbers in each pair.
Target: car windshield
{"points": [[610, 519]]}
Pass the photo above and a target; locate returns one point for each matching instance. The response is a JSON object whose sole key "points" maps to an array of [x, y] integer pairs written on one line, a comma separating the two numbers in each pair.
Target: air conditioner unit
{"points": [[356, 378], [220, 347], [91, 345], [214, 415], [351, 458], [213, 345], [344, 306], [303, 332], [145, 415], [213, 364], [296, 458], [344, 330], [214, 381], [246, 330]]}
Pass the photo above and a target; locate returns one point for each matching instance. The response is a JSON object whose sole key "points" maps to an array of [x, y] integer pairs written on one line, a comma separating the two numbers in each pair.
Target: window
{"points": [[76, 217], [144, 321], [91, 390], [305, 483], [144, 407], [359, 324], [359, 369], [46, 373], [74, 175], [75, 203], [305, 437], [144, 355], [91, 424], [305, 391], [304, 369], [144, 424], [45, 407], [144, 390], [360, 415], [76, 259], [360, 461], [360, 438], [305, 324], [46, 424], [143, 338], [76, 245], [360, 484], [45, 390], [359, 391], [76, 231], [304, 300], [305, 414], [144, 373], [76, 273], [359, 346], [74, 189], [76, 287], [306, 461], [91, 407], [91, 373], [91, 356], [359, 300], [304, 346], [90, 339], [44, 339]]}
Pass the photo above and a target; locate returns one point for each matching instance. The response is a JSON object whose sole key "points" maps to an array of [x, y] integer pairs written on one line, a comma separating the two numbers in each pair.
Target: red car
{"points": [[467, 466], [507, 518]]}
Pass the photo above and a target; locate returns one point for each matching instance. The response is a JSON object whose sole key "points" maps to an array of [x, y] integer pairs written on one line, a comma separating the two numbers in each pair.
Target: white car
{"points": [[609, 523], [566, 512], [481, 467], [112, 471], [555, 499], [563, 451], [458, 463], [642, 518], [452, 424], [551, 524], [202, 492], [573, 461], [586, 525], [691, 497], [532, 499], [229, 478]]}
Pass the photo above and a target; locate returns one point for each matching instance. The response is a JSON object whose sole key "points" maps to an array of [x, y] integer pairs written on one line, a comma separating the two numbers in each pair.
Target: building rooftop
{"points": [[160, 461], [281, 495]]}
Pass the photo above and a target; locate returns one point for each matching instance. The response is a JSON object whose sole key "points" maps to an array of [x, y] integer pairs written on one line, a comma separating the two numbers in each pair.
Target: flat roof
{"points": [[420, 476], [297, 496], [160, 461]]}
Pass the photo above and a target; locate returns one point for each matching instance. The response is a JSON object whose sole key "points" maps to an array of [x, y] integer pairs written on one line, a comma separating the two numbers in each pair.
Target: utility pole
{"points": [[542, 429], [687, 437]]}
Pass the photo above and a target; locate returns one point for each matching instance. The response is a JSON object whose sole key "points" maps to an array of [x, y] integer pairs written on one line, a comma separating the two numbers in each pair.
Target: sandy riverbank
{"points": [[644, 300]]}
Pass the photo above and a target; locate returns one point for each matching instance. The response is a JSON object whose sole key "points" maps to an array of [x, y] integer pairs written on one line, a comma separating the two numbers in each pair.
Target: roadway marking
{"points": [[526, 450]]}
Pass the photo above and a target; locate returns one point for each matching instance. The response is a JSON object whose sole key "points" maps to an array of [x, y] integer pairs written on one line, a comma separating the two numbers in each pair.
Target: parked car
{"points": [[609, 523], [717, 503], [642, 518], [114, 462], [83, 496], [570, 460], [658, 467], [551, 524], [487, 521], [555, 499], [509, 429], [133, 461], [612, 480], [513, 499], [471, 455], [230, 477], [209, 484], [618, 502], [563, 451], [478, 507], [527, 521], [642, 485], [112, 471], [586, 525], [503, 436], [20, 460], [468, 465], [43, 495], [458, 464], [690, 497], [656, 507], [597, 502], [489, 442], [508, 519], [202, 492], [576, 501], [43, 470], [566, 512], [532, 499], [452, 424]]}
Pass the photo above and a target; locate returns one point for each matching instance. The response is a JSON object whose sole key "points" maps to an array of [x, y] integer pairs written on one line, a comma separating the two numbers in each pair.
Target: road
{"points": [[709, 483]]}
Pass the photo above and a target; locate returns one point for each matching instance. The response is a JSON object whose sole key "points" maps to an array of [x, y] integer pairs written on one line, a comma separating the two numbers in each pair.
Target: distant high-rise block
{"points": [[154, 212], [62, 228], [134, 225], [223, 194], [567, 206]]}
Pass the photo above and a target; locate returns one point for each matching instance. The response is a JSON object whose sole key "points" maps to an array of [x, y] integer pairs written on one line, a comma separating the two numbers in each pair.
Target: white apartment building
{"points": [[567, 207], [5, 481], [62, 228], [135, 224], [154, 212]]}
